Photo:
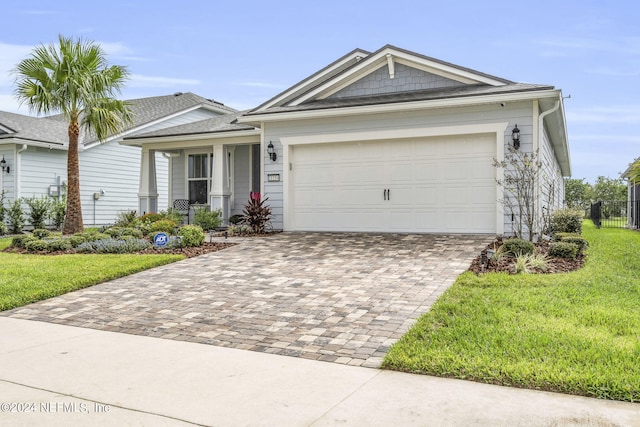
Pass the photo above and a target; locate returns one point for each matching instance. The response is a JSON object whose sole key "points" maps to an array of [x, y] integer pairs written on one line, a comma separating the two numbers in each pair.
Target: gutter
{"points": [[398, 106]]}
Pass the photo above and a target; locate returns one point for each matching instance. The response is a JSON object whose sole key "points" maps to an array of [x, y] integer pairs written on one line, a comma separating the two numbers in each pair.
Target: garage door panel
{"points": [[443, 184]]}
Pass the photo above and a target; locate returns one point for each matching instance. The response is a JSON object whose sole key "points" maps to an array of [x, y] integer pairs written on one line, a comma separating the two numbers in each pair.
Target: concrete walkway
{"points": [[66, 376], [341, 297]]}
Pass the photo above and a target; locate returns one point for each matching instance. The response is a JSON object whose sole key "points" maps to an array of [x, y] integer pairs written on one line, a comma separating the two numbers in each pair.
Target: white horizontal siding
{"points": [[8, 179], [115, 169]]}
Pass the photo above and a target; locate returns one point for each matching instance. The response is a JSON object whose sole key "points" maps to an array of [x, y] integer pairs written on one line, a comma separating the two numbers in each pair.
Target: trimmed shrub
{"points": [[165, 225], [113, 246], [133, 232], [63, 244], [517, 247], [192, 235], [41, 233], [77, 239], [567, 221], [563, 250], [21, 241], [93, 236], [36, 245], [558, 237], [580, 242], [3, 229]]}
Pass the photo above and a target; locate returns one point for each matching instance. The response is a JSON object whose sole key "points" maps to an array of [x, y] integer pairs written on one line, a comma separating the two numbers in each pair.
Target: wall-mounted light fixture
{"points": [[3, 164], [515, 136], [272, 151]]}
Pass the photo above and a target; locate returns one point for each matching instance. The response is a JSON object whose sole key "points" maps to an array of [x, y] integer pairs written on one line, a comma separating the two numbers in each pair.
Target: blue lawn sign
{"points": [[160, 239]]}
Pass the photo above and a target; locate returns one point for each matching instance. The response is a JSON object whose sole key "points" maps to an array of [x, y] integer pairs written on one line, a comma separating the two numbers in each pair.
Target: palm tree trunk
{"points": [[73, 219]]}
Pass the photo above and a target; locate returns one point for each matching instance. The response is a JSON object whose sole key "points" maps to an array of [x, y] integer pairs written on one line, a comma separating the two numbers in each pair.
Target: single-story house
{"points": [[34, 151], [632, 175], [384, 141]]}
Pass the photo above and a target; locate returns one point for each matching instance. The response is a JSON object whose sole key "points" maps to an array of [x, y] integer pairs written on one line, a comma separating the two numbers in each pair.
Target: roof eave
{"points": [[138, 141], [270, 116]]}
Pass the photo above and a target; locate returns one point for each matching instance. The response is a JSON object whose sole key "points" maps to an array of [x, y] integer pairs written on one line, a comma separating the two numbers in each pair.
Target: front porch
{"points": [[216, 170]]}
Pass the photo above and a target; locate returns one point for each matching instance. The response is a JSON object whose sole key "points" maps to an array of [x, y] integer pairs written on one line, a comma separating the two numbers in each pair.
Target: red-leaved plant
{"points": [[256, 213]]}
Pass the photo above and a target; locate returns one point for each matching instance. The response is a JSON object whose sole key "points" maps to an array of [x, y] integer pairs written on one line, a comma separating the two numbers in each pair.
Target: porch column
{"points": [[220, 192], [148, 192]]}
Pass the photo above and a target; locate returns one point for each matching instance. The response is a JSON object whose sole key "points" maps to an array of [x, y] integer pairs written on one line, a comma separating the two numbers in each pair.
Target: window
{"points": [[199, 178]]}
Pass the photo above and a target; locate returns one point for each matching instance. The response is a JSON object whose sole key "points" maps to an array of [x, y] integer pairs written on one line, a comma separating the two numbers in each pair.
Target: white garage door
{"points": [[440, 184]]}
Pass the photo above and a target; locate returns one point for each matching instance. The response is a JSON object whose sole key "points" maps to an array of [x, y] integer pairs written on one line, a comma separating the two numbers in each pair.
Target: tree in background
{"points": [[577, 193], [609, 189], [74, 78]]}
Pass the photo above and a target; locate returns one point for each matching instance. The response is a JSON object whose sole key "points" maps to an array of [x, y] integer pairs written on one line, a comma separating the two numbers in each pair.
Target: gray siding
{"points": [[551, 181], [405, 79], [515, 113], [178, 175]]}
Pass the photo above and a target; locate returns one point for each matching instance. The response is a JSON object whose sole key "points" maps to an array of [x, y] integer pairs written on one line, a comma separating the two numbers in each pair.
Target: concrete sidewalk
{"points": [[63, 375]]}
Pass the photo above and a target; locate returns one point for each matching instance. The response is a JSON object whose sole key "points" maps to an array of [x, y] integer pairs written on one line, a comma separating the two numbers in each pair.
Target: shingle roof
{"points": [[34, 128], [409, 96], [53, 129], [224, 123]]}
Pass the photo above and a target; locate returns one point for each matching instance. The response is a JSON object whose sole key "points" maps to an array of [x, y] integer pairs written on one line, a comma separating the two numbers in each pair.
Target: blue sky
{"points": [[242, 53]]}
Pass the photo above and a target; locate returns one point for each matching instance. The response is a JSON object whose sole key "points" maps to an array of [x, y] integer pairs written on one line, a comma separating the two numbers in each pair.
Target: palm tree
{"points": [[74, 78]]}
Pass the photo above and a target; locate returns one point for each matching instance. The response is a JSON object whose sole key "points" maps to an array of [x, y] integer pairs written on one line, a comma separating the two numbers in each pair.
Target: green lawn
{"points": [[28, 278], [575, 333]]}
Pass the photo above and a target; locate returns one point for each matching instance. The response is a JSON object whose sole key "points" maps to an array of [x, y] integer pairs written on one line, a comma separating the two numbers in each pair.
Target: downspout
{"points": [[18, 168], [540, 138]]}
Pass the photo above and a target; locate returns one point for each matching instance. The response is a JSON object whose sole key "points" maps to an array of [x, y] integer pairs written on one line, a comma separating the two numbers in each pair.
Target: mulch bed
{"points": [[507, 264]]}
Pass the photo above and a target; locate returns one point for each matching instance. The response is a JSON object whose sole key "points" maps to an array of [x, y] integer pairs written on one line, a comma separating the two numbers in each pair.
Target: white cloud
{"points": [[138, 80], [10, 55], [599, 138]]}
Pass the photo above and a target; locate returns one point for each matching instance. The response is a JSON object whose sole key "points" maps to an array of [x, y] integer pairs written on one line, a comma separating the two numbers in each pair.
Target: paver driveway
{"points": [[341, 297]]}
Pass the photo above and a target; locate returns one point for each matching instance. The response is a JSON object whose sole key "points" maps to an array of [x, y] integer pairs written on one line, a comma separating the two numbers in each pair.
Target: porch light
{"points": [[515, 136], [272, 151], [3, 164]]}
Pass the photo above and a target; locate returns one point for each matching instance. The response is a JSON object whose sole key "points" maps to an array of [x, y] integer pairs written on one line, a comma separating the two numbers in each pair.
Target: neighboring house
{"points": [[632, 175], [389, 141], [35, 152]]}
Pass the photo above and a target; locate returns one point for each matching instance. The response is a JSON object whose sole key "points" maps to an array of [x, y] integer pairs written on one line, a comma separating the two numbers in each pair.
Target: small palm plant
{"points": [[256, 214]]}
